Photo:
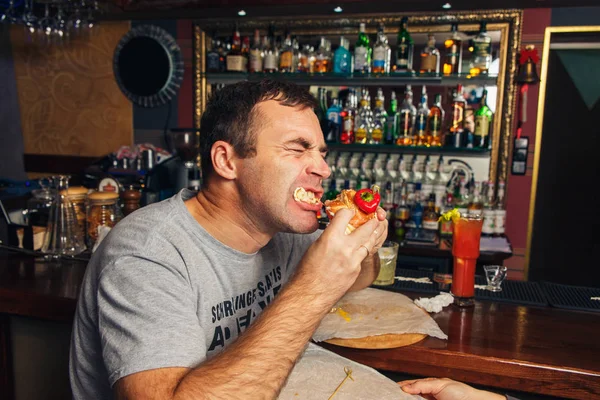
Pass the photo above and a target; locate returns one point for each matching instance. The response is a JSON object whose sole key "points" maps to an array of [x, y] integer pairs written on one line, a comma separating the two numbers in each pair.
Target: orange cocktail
{"points": [[465, 249]]}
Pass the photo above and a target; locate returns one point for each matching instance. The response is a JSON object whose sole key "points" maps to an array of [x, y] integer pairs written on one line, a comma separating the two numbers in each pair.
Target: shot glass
{"points": [[388, 254], [495, 275]]}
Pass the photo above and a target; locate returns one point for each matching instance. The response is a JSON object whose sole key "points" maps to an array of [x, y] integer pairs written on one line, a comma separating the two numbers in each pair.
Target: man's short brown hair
{"points": [[230, 115]]}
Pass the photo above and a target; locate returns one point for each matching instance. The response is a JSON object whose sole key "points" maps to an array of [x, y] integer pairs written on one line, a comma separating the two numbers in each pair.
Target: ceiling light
{"points": [[447, 6], [242, 13], [338, 9]]}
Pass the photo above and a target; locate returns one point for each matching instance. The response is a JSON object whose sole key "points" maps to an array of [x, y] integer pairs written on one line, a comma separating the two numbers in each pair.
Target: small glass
{"points": [[388, 254], [495, 275], [465, 249]]}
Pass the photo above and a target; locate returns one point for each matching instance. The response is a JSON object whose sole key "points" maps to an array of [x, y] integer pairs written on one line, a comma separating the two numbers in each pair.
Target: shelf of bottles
{"points": [[351, 79], [367, 63]]}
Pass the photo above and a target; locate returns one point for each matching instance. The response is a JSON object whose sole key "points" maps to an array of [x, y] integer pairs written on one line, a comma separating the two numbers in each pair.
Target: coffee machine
{"points": [[185, 143]]}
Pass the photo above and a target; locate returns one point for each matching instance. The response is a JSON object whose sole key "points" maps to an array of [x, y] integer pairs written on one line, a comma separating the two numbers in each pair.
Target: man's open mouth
{"points": [[306, 196]]}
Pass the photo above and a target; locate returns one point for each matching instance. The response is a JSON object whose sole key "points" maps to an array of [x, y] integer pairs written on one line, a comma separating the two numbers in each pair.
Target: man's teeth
{"points": [[305, 196]]}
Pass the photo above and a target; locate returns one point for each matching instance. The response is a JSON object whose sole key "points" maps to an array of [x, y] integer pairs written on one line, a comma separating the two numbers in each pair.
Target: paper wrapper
{"points": [[318, 373], [371, 312]]}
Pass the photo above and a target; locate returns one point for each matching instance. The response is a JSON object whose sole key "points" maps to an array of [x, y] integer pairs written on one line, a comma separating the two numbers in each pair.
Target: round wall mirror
{"points": [[148, 66]]}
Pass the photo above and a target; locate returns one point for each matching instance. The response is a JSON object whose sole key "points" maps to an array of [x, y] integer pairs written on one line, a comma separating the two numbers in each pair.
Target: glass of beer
{"points": [[388, 254]]}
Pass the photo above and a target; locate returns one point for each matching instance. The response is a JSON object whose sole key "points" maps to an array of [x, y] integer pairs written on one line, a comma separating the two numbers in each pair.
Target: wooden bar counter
{"points": [[540, 350]]}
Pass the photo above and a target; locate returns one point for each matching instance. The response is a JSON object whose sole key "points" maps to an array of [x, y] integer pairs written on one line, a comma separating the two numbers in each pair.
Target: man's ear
{"points": [[223, 156]]}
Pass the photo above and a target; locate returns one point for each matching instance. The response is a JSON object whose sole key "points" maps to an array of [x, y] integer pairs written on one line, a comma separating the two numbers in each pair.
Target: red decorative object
{"points": [[527, 53]]}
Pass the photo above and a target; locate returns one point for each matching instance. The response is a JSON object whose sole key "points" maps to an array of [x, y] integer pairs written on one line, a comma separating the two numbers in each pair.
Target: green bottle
{"points": [[391, 125], [362, 52], [483, 124], [405, 50]]}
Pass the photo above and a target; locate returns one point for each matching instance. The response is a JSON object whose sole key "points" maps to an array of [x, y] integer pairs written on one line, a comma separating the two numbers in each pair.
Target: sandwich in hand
{"points": [[364, 202]]}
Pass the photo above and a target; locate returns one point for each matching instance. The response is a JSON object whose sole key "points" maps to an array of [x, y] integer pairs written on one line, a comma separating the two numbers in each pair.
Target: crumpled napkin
{"points": [[435, 304], [319, 372], [418, 280]]}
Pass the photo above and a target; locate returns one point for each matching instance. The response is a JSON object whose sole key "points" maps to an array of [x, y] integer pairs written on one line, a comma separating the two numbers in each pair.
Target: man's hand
{"points": [[446, 389], [333, 262], [369, 268], [381, 232]]}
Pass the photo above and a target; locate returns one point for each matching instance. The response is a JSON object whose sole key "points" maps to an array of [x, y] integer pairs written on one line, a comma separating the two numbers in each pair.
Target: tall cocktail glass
{"points": [[465, 250]]}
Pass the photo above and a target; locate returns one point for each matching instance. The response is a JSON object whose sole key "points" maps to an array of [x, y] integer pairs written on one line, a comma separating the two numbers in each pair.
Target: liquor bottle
{"points": [[286, 57], [489, 212], [362, 52], [421, 121], [381, 53], [303, 63], [236, 62], [417, 209], [407, 119], [500, 211], [401, 215], [430, 216], [246, 52], [435, 123], [212, 56], [405, 50], [362, 124], [416, 175], [458, 118], [321, 110], [271, 59], [453, 53], [379, 119], [323, 56], [462, 200], [255, 64], [483, 123], [430, 57], [295, 54], [348, 114], [475, 207], [223, 50], [482, 52], [335, 119], [393, 117], [342, 59]]}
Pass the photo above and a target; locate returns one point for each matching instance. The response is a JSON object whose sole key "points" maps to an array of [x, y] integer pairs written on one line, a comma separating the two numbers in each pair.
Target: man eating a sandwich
{"points": [[215, 294]]}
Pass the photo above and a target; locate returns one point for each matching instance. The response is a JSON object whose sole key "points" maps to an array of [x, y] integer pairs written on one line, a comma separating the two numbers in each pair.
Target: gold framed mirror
{"points": [[504, 25], [568, 107]]}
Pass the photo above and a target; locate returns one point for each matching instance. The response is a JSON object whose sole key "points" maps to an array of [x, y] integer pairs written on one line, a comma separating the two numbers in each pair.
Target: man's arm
{"points": [[257, 364]]}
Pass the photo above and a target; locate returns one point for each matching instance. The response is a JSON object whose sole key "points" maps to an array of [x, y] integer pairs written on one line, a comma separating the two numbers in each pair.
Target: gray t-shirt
{"points": [[160, 292]]}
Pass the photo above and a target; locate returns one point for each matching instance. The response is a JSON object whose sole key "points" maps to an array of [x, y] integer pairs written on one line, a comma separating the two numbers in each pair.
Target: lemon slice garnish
{"points": [[453, 215]]}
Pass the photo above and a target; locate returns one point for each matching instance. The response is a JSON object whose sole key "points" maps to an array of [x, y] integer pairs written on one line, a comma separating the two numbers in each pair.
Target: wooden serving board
{"points": [[387, 341]]}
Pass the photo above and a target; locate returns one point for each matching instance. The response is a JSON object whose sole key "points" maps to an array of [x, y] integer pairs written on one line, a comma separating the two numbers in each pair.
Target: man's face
{"points": [[290, 153]]}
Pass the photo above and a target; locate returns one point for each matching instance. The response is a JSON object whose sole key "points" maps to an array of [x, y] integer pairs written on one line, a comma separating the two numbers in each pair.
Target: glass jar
{"points": [[78, 197], [103, 210]]}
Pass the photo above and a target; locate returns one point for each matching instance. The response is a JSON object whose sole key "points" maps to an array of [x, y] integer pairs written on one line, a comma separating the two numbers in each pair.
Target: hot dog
{"points": [[364, 203]]}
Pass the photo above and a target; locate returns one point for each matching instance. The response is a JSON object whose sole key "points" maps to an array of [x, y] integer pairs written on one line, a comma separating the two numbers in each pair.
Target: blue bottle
{"points": [[334, 126], [342, 59]]}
